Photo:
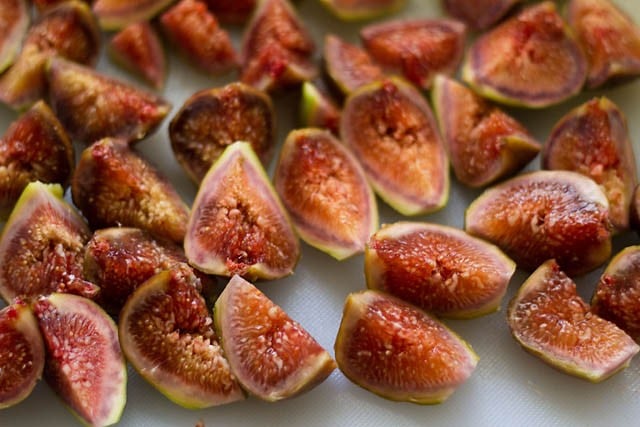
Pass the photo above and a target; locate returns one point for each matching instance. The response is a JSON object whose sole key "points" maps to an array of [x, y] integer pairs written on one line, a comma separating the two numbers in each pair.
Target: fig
{"points": [[212, 119], [593, 139], [41, 246], [550, 320], [416, 48], [84, 364], [14, 22], [114, 186], [318, 109], [43, 5], [197, 35], [609, 38], [543, 215], [440, 269], [167, 334], [21, 353], [484, 143], [92, 106], [479, 14], [359, 10], [138, 49], [276, 48], [530, 60], [326, 192], [35, 147], [117, 14], [634, 214], [388, 120], [400, 352], [232, 11], [271, 354]]}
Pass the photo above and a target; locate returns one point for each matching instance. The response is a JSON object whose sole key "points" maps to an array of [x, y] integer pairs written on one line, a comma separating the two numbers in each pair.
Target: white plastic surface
{"points": [[509, 387]]}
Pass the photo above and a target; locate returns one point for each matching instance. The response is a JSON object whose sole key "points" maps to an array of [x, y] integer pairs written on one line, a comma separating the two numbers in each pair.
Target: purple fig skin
{"points": [[117, 14], [479, 14], [14, 22]]}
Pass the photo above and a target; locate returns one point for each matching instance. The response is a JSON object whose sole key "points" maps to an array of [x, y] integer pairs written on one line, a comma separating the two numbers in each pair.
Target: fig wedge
{"points": [[479, 14], [232, 11], [484, 143], [271, 354], [117, 14], [43, 5], [326, 192], [360, 10], [530, 60], [550, 320], [318, 110], [167, 320], [400, 352], [593, 139], [440, 269], [543, 215], [14, 22], [238, 224], [390, 128]]}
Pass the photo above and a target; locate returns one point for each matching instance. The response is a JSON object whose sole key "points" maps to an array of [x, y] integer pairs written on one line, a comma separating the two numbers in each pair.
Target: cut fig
{"points": [[400, 352], [440, 269], [84, 364], [117, 14], [232, 11], [318, 109], [593, 139], [21, 353], [326, 193], [272, 355], [418, 49], [360, 10], [34, 148], [92, 106], [484, 143], [550, 320], [167, 334], [14, 22], [115, 186], [543, 215], [43, 5], [479, 14], [212, 119], [197, 35], [390, 128], [609, 38], [530, 60]]}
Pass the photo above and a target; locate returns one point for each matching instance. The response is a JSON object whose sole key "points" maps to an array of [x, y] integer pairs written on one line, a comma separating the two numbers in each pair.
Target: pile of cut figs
{"points": [[169, 169]]}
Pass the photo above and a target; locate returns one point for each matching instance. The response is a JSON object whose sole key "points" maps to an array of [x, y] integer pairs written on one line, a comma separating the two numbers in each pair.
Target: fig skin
{"points": [[550, 320], [272, 355], [318, 110], [390, 119], [530, 60], [117, 14], [361, 10], [326, 192], [440, 269], [479, 14], [542, 215], [14, 22], [212, 119], [634, 215], [593, 139], [43, 5], [232, 11], [399, 352]]}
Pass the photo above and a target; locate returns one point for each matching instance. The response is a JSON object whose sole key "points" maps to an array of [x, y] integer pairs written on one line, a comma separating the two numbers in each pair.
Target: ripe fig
{"points": [[271, 354], [237, 224], [115, 186], [390, 119], [479, 14], [117, 14], [212, 119], [593, 139], [21, 353], [550, 320], [318, 109], [167, 320], [34, 148], [197, 35], [43, 5], [543, 215], [400, 352], [84, 364], [530, 60], [484, 143], [326, 192], [232, 11], [418, 49], [14, 22], [440, 269], [117, 109], [359, 10], [609, 38]]}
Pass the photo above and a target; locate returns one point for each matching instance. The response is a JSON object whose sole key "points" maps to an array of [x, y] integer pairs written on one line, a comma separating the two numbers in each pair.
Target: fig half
{"points": [[550, 320], [479, 14], [14, 22], [318, 110], [359, 10], [117, 14]]}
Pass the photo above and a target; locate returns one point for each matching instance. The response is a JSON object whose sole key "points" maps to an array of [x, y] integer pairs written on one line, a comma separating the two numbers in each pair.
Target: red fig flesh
{"points": [[14, 21]]}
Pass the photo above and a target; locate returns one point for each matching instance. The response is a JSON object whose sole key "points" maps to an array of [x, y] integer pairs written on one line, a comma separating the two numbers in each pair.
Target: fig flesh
{"points": [[359, 10], [318, 110], [479, 14], [232, 11], [14, 22], [543, 215], [440, 269], [390, 119], [271, 354], [167, 334], [326, 192], [593, 139], [550, 320], [238, 224], [117, 14], [400, 352], [530, 60]]}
